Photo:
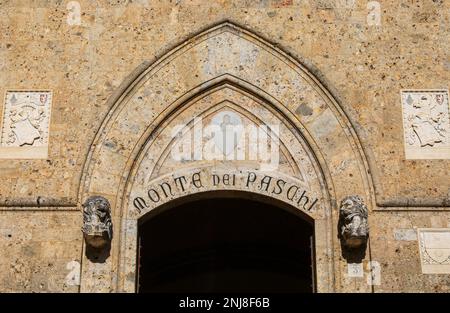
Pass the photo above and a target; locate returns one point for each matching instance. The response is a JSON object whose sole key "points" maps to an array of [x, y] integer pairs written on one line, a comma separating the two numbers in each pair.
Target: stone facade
{"points": [[340, 78]]}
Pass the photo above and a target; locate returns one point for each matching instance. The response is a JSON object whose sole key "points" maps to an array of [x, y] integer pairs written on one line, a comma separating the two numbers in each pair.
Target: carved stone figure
{"points": [[354, 229], [97, 225], [426, 123]]}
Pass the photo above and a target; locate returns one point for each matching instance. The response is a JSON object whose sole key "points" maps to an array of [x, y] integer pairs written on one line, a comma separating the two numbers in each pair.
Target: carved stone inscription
{"points": [[25, 127], [170, 187], [426, 124], [434, 247]]}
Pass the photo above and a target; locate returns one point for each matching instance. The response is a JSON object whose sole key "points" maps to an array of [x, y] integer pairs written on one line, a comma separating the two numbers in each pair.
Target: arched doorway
{"points": [[130, 161], [225, 244]]}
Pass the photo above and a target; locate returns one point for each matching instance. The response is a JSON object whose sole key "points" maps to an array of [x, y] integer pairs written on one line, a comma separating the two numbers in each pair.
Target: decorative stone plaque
{"points": [[355, 270], [25, 127], [434, 247], [426, 124]]}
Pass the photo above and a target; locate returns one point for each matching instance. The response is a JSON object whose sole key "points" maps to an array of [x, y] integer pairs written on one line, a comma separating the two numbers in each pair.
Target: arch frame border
{"points": [[137, 79]]}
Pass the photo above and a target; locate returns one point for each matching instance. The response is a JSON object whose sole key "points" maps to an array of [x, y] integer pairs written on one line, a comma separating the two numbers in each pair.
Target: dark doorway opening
{"points": [[225, 245]]}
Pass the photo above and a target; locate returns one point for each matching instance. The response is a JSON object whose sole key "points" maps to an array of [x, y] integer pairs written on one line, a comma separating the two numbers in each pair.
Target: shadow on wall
{"points": [[98, 255]]}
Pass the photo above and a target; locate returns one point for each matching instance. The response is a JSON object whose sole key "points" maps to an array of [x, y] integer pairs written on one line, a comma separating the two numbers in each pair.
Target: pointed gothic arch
{"points": [[224, 63]]}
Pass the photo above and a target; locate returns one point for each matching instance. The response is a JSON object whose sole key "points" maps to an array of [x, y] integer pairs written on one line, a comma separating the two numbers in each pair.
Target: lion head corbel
{"points": [[97, 225], [354, 228]]}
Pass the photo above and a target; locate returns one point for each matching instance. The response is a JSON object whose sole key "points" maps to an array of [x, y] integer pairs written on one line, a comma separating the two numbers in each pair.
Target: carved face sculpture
{"points": [[348, 203], [96, 207], [353, 219], [100, 207], [97, 226]]}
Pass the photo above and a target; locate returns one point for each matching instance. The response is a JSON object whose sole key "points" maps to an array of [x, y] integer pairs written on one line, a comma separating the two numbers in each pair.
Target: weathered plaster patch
{"points": [[25, 127], [405, 234]]}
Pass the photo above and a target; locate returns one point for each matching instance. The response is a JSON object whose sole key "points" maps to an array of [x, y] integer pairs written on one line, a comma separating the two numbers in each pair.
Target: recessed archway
{"points": [[225, 67], [225, 242]]}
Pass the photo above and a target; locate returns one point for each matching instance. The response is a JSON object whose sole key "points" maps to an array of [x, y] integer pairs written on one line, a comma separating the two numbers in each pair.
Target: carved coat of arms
{"points": [[26, 118], [426, 124]]}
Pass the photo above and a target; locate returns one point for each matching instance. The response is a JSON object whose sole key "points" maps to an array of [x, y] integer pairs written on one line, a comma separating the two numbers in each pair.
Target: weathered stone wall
{"points": [[394, 245], [37, 249], [364, 66]]}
